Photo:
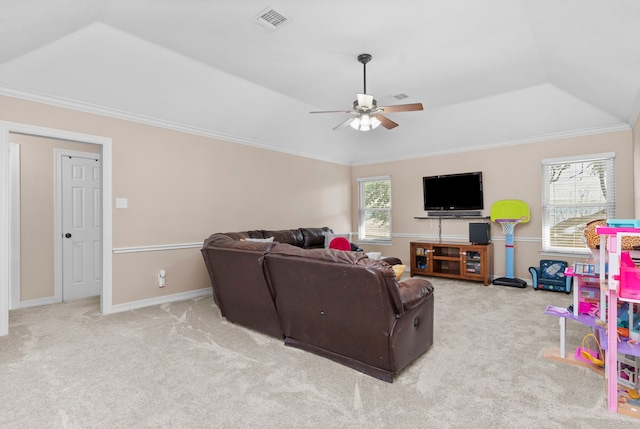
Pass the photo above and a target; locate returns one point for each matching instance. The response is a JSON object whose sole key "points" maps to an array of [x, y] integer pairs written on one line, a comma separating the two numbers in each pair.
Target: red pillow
{"points": [[340, 243]]}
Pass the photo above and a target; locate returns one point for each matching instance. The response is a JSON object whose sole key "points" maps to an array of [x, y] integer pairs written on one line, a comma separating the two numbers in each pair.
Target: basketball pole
{"points": [[509, 279], [509, 252]]}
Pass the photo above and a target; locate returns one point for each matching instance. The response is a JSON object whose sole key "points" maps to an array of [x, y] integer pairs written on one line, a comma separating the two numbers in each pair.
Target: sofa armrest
{"points": [[535, 275], [414, 291]]}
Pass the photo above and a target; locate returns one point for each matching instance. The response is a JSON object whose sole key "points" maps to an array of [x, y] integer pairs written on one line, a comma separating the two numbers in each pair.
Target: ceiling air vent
{"points": [[401, 96], [271, 18]]}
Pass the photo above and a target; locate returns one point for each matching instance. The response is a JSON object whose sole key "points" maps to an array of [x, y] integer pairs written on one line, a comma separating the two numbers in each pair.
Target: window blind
{"points": [[575, 191]]}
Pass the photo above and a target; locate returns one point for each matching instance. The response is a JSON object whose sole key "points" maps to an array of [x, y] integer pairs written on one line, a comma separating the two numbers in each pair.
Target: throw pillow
{"points": [[340, 243], [259, 240], [329, 236], [398, 270]]}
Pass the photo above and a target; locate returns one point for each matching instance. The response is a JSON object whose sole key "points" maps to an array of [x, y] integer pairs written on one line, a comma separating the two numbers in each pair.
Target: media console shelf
{"points": [[457, 261]]}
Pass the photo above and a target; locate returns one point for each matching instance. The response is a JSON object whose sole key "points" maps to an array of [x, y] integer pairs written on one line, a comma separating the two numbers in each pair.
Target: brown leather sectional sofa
{"points": [[340, 305]]}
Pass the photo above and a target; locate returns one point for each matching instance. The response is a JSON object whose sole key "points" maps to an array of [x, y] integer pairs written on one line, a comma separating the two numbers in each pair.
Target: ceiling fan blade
{"points": [[386, 122], [343, 125], [332, 111], [365, 101], [402, 107]]}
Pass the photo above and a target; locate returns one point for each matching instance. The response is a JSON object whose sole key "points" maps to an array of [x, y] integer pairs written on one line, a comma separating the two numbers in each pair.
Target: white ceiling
{"points": [[488, 72]]}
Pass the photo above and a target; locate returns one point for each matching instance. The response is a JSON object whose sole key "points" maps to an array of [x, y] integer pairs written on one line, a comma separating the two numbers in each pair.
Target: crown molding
{"points": [[147, 120], [635, 111], [622, 126]]}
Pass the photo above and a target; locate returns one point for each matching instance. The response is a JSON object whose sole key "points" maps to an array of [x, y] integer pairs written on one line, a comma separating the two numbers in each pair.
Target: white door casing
{"points": [[81, 222], [14, 224], [6, 128]]}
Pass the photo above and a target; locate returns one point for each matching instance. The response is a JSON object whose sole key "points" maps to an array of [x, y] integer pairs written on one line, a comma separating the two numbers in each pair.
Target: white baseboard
{"points": [[182, 296], [39, 301]]}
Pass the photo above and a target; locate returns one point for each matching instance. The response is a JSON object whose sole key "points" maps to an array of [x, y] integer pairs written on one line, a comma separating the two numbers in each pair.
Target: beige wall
{"points": [[36, 211], [512, 172], [181, 188]]}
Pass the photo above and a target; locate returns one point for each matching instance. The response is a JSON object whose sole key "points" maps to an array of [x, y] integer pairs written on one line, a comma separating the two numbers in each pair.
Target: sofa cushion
{"points": [[221, 242], [321, 253], [255, 234], [289, 236], [231, 235], [391, 260], [314, 237]]}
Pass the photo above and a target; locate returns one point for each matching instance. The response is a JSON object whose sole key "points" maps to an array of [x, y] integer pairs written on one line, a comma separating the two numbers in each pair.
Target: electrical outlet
{"points": [[162, 278]]}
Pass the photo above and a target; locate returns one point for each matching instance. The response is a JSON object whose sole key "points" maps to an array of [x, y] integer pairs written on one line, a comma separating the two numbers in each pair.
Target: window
{"points": [[374, 209], [575, 190]]}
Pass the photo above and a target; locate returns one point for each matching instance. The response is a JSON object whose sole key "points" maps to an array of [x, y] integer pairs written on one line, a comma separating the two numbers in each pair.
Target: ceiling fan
{"points": [[366, 114]]}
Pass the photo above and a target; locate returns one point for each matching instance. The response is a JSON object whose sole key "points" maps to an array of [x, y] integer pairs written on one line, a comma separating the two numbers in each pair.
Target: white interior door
{"points": [[81, 227]]}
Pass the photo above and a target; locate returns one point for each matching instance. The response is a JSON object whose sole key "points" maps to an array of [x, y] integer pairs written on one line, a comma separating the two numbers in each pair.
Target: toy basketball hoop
{"points": [[509, 213], [508, 225]]}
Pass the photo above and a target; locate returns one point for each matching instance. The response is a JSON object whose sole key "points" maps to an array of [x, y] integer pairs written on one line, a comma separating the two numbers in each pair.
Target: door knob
{"points": [[67, 235]]}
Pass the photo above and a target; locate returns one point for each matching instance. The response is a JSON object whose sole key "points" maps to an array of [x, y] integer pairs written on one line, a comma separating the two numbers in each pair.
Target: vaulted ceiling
{"points": [[488, 72]]}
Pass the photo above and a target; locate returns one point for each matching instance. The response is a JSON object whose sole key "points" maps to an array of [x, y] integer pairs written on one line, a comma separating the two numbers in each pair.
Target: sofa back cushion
{"points": [[288, 236], [307, 238], [313, 238], [257, 233], [237, 236]]}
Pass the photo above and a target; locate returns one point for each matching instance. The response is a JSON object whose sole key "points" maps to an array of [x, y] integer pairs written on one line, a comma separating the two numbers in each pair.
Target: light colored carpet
{"points": [[181, 365]]}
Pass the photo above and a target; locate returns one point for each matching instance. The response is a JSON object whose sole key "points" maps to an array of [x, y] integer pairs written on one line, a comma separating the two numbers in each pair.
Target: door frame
{"points": [[58, 207], [106, 298], [14, 227]]}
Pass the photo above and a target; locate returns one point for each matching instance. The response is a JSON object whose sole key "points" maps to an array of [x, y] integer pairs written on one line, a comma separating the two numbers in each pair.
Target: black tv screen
{"points": [[453, 192]]}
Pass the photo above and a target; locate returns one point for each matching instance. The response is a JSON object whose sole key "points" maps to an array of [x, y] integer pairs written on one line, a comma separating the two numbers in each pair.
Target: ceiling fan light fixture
{"points": [[364, 122]]}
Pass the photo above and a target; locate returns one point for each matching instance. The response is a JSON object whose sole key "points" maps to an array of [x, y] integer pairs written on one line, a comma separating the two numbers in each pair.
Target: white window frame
{"points": [[362, 210], [548, 206]]}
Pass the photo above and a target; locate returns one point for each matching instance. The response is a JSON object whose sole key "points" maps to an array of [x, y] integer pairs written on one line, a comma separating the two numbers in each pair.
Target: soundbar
{"points": [[462, 213]]}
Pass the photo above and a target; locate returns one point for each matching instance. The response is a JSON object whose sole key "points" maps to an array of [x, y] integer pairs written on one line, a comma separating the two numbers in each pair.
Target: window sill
{"points": [[566, 253], [376, 242]]}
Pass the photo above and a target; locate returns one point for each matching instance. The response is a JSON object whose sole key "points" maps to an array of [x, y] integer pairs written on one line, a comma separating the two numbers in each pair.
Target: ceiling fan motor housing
{"points": [[365, 103], [364, 58]]}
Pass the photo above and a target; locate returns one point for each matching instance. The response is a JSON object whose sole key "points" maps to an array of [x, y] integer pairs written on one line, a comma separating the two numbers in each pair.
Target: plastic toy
{"points": [[591, 355], [509, 213], [550, 275]]}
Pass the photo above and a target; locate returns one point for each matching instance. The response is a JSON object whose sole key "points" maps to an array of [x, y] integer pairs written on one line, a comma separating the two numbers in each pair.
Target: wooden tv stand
{"points": [[456, 261]]}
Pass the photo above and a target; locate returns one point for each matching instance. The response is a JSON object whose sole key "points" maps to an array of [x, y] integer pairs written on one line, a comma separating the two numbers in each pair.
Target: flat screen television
{"points": [[453, 192]]}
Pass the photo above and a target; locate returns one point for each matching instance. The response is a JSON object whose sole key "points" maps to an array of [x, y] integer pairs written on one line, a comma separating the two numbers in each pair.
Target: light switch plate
{"points": [[122, 203]]}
